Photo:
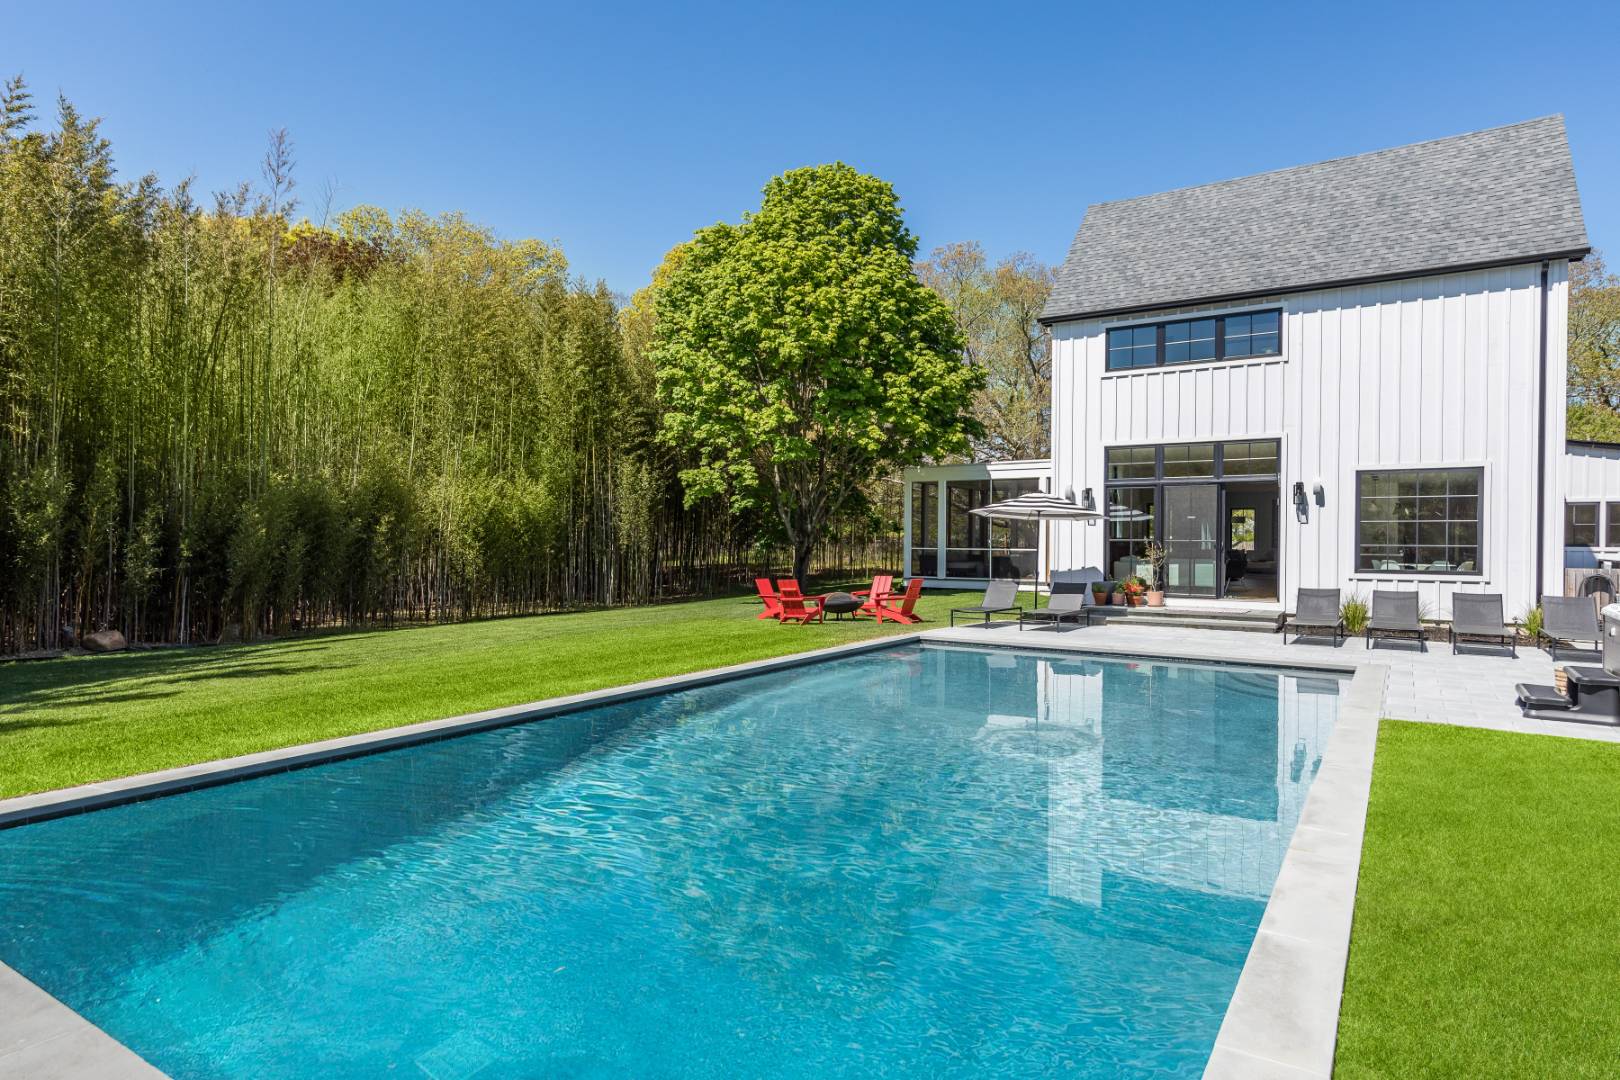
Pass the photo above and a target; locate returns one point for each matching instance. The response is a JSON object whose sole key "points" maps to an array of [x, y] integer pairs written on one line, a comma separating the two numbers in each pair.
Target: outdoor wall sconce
{"points": [[1302, 507], [1088, 502], [1319, 492]]}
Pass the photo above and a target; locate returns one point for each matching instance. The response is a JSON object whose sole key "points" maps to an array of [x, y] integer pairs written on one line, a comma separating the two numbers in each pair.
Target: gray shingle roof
{"points": [[1492, 196]]}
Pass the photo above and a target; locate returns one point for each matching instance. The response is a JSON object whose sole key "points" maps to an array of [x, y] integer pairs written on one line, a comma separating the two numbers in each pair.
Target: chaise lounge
{"points": [[1316, 610], [1479, 615], [1395, 613], [999, 596], [1569, 619], [1066, 602]]}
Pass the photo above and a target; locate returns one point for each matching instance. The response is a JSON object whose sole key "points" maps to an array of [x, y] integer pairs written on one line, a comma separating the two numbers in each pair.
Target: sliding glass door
{"points": [[1192, 518]]}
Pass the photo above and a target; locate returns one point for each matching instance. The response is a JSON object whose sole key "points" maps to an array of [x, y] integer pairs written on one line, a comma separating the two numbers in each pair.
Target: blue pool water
{"points": [[923, 861]]}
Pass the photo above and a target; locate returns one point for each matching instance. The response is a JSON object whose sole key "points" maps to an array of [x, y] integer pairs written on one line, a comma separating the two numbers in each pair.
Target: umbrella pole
{"points": [[1046, 534]]}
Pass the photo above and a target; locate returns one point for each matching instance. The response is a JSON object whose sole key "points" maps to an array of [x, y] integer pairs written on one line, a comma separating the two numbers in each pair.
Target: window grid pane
{"points": [[1418, 521], [1581, 524]]}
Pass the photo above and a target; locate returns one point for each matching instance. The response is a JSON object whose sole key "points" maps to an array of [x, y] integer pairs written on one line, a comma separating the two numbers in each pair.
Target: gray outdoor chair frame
{"points": [[1569, 618], [1060, 605], [1479, 615], [1395, 612], [998, 598], [1316, 610]]}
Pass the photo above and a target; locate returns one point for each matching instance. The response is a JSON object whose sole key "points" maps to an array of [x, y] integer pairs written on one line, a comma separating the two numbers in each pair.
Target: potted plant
{"points": [[1099, 593], [1155, 555], [1134, 590], [1116, 593]]}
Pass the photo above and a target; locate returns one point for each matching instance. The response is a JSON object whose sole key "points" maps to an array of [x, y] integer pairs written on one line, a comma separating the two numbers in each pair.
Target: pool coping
{"points": [[1282, 1021]]}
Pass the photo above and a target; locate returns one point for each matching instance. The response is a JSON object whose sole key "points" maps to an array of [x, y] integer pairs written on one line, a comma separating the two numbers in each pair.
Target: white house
{"points": [[1349, 374]]}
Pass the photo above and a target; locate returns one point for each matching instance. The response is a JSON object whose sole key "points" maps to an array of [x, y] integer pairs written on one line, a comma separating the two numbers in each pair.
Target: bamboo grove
{"points": [[216, 421]]}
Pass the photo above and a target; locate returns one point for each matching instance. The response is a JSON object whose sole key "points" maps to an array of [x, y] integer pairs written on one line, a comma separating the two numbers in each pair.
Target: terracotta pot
{"points": [[1118, 598], [1155, 598], [1100, 599]]}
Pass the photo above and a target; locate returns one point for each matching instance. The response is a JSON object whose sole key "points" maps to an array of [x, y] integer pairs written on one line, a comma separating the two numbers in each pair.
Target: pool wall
{"points": [[1283, 1018]]}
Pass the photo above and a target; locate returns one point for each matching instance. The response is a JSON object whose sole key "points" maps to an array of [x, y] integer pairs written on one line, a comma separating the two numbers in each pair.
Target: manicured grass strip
{"points": [[1487, 927], [75, 720]]}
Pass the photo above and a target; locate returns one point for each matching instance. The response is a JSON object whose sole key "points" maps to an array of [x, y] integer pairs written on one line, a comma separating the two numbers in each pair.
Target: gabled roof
{"points": [[1487, 198]]}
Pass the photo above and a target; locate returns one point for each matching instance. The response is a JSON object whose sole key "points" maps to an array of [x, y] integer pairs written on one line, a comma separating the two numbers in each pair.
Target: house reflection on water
{"points": [[1186, 776]]}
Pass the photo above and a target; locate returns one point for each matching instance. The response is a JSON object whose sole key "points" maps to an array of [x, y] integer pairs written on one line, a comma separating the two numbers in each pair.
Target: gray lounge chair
{"points": [[998, 597], [1063, 604], [1395, 613], [1479, 615], [1316, 609], [1571, 619]]}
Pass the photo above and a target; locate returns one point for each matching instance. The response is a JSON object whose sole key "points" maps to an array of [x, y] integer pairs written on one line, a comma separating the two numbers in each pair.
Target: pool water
{"points": [[922, 861]]}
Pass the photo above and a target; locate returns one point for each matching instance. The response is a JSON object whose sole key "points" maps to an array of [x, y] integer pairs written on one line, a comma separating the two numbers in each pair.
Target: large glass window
{"points": [[1133, 462], [1191, 341], [1418, 521], [924, 528], [1581, 524], [1612, 526], [1187, 342], [1189, 460], [1253, 335], [1130, 528], [1257, 458], [1136, 346]]}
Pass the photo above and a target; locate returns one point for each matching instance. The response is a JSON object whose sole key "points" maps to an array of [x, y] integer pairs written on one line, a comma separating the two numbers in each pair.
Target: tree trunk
{"points": [[802, 546]]}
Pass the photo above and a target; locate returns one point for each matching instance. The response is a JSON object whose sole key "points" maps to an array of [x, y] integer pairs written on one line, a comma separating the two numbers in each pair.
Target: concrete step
{"points": [[1260, 622]]}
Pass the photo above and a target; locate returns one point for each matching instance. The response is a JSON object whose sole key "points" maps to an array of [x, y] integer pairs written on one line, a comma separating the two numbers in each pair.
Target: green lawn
{"points": [[79, 719], [1487, 928]]}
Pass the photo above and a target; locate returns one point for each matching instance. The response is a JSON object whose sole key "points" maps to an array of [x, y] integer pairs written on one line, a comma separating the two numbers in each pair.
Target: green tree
{"points": [[798, 356], [997, 308], [1594, 351]]}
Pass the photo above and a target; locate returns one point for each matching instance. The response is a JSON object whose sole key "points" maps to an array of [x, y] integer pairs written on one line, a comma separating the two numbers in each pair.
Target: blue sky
{"points": [[616, 130]]}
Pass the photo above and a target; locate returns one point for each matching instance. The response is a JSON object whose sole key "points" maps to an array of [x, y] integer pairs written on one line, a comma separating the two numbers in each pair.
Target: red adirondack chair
{"points": [[901, 613], [794, 608], [787, 586], [882, 585], [773, 602]]}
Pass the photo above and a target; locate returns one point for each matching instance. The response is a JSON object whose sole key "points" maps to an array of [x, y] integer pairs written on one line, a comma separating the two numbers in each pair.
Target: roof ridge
{"points": [[1558, 117]]}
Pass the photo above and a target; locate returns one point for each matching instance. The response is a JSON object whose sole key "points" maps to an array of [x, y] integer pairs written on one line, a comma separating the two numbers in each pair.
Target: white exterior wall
{"points": [[1431, 371], [1592, 473]]}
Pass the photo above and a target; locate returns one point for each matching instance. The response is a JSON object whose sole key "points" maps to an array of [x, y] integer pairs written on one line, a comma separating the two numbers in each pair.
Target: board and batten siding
{"points": [[1433, 371], [1592, 473]]}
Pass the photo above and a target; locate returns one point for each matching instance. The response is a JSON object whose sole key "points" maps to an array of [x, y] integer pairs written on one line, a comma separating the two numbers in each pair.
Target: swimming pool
{"points": [[919, 861]]}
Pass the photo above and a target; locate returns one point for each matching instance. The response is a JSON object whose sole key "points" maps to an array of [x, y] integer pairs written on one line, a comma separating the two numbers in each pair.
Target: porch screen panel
{"points": [[925, 528], [967, 536]]}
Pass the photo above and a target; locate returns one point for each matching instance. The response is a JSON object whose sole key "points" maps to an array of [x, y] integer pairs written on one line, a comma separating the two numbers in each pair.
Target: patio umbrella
{"points": [[1037, 506]]}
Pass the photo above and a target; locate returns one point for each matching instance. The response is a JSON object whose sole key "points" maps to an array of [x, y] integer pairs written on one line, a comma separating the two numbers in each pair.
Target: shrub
{"points": [[1354, 613], [1531, 622]]}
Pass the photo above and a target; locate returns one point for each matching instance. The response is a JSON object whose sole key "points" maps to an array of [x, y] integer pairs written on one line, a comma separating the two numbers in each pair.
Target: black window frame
{"points": [[1596, 524], [1218, 472], [1158, 328], [1611, 527], [1424, 572]]}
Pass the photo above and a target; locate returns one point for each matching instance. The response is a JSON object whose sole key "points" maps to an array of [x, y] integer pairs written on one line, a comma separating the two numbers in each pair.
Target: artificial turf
{"points": [[1487, 925], [78, 719]]}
